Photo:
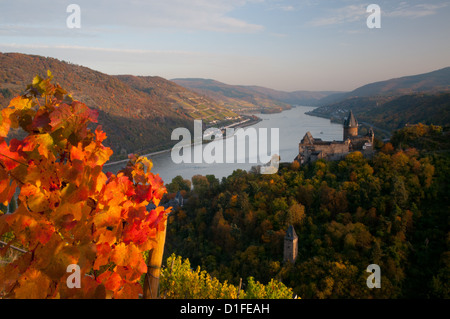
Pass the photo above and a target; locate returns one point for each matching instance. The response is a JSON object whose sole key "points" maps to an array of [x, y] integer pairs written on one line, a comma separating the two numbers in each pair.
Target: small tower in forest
{"points": [[350, 126], [290, 245]]}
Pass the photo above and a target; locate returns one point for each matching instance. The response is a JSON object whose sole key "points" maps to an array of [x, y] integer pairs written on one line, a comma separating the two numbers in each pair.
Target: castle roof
{"points": [[351, 120], [290, 233], [308, 138]]}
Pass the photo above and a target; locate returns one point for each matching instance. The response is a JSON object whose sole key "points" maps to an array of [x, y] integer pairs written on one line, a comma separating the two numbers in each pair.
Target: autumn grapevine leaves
{"points": [[69, 211]]}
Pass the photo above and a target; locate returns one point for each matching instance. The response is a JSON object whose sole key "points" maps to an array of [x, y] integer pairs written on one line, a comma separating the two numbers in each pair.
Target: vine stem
{"points": [[14, 160], [151, 284]]}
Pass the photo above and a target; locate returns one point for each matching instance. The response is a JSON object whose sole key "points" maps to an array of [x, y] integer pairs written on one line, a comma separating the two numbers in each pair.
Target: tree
{"points": [[179, 184], [201, 185], [69, 212], [295, 213]]}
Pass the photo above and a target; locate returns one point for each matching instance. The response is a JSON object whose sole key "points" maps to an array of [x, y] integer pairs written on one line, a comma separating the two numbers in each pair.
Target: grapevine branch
{"points": [[14, 160]]}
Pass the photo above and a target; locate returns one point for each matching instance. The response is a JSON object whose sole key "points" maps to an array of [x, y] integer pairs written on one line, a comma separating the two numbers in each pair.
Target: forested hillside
{"points": [[428, 83], [178, 98], [391, 210], [392, 113], [390, 105]]}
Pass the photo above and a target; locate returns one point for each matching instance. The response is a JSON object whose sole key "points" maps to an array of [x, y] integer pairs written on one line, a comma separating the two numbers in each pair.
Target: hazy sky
{"points": [[281, 44]]}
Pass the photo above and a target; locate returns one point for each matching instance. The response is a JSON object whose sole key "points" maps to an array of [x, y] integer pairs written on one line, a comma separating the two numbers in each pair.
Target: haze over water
{"points": [[292, 124]]}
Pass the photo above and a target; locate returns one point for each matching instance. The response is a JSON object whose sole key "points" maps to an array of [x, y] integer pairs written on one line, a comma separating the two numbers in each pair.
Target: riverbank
{"points": [[126, 160], [251, 120]]}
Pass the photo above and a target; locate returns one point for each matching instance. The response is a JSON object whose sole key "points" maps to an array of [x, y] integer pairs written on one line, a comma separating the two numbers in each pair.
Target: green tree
{"points": [[178, 184]]}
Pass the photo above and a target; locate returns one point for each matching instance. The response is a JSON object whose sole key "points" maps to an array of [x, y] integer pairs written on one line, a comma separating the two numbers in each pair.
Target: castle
{"points": [[312, 149]]}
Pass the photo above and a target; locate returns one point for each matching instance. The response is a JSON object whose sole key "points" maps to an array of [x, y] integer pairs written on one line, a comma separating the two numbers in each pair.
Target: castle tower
{"points": [[290, 245], [350, 126]]}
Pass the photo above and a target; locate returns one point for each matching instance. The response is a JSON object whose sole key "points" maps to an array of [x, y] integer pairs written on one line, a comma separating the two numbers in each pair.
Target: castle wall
{"points": [[333, 148], [331, 151]]}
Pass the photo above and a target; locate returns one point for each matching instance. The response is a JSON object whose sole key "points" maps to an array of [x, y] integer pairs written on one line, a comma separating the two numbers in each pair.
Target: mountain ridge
{"points": [[258, 97], [391, 104], [429, 82]]}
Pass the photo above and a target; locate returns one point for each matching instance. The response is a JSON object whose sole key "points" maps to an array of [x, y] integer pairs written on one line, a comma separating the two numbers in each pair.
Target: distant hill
{"points": [[410, 109], [392, 113], [137, 113], [245, 98], [393, 103], [305, 98], [431, 82]]}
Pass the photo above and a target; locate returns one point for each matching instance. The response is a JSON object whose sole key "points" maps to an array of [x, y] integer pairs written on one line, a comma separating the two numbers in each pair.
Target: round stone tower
{"points": [[350, 126]]}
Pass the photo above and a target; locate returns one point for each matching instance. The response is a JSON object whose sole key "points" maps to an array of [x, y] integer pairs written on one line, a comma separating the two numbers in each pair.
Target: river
{"points": [[292, 124]]}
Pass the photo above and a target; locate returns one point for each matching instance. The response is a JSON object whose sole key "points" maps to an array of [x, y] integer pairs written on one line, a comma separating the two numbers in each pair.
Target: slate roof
{"points": [[351, 120], [290, 233]]}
